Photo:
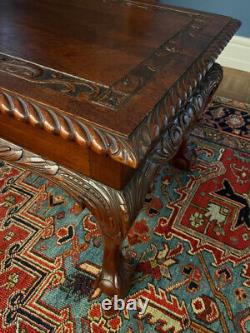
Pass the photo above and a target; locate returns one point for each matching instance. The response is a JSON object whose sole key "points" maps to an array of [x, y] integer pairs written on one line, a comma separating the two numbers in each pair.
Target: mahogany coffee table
{"points": [[97, 95]]}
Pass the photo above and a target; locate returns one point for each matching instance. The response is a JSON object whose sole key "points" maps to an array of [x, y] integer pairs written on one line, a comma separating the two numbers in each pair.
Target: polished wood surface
{"points": [[71, 41], [110, 45]]}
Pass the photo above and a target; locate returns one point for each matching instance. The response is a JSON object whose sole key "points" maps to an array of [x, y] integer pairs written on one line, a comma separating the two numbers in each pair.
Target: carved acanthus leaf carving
{"points": [[107, 205], [14, 154], [188, 107], [9, 154]]}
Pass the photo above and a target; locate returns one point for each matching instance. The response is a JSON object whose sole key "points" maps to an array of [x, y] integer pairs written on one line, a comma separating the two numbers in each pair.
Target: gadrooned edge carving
{"points": [[57, 122], [128, 151], [114, 210]]}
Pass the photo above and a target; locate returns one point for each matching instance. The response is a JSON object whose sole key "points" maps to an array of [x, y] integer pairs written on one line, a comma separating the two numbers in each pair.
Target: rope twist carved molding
{"points": [[132, 150], [128, 151], [68, 128], [164, 129]]}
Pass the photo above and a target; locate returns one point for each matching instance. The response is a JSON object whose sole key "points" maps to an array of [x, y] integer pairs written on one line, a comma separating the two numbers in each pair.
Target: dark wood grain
{"points": [[126, 47]]}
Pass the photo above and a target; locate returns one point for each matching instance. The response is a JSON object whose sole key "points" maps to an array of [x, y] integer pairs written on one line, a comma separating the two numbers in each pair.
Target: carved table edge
{"points": [[127, 150], [158, 119]]}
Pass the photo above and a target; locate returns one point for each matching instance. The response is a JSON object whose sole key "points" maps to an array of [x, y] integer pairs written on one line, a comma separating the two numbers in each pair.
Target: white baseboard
{"points": [[236, 54]]}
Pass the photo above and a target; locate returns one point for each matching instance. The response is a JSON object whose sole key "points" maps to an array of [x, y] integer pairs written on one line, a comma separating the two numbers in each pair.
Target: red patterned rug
{"points": [[190, 245]]}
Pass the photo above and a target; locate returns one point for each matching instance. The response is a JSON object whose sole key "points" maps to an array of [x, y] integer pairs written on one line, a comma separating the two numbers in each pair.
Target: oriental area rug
{"points": [[189, 245]]}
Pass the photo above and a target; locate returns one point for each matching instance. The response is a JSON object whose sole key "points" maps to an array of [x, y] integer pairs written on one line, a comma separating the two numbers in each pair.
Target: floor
{"points": [[235, 85]]}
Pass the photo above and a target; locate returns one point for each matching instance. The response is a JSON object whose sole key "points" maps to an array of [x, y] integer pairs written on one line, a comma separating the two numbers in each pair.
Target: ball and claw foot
{"points": [[116, 281]]}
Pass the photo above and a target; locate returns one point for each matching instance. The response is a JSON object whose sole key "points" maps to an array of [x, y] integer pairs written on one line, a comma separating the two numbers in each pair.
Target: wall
{"points": [[239, 9]]}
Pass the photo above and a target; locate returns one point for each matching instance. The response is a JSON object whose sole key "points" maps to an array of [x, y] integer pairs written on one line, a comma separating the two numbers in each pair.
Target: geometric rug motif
{"points": [[189, 245], [211, 208]]}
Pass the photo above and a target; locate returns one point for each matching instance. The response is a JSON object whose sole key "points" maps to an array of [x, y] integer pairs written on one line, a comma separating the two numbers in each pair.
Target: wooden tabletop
{"points": [[103, 65]]}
